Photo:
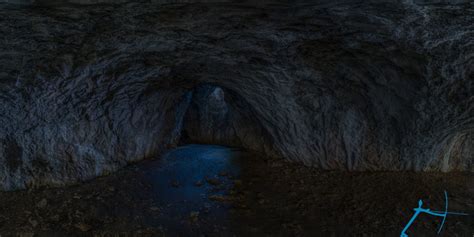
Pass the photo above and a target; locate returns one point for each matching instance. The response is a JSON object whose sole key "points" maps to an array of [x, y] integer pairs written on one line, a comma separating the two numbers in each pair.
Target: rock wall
{"points": [[102, 2], [351, 85]]}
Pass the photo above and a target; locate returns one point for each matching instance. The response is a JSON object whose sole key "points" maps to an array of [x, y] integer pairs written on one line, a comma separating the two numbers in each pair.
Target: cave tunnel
{"points": [[219, 116], [236, 118]]}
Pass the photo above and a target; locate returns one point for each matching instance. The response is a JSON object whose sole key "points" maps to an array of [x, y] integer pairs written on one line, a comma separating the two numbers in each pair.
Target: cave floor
{"points": [[201, 190]]}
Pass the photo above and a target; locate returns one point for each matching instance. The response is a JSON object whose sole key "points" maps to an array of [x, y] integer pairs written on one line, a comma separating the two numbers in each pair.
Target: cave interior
{"points": [[236, 118]]}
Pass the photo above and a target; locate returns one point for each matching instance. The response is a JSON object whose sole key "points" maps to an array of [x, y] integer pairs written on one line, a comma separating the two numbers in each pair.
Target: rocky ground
{"points": [[229, 193]]}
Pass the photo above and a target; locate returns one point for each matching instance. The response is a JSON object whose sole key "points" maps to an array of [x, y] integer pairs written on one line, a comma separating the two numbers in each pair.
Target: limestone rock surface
{"points": [[348, 85]]}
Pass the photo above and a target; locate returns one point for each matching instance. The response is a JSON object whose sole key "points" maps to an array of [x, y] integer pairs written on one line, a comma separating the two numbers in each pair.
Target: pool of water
{"points": [[189, 169], [186, 182]]}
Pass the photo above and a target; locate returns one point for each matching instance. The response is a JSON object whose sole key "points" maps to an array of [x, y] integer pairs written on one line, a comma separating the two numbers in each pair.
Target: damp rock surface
{"points": [[345, 85]]}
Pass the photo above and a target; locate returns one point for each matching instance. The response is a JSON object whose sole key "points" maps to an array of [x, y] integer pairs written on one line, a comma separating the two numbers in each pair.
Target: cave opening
{"points": [[220, 116]]}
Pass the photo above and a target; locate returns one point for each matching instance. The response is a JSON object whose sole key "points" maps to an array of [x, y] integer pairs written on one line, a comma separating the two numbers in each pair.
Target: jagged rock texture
{"points": [[353, 85]]}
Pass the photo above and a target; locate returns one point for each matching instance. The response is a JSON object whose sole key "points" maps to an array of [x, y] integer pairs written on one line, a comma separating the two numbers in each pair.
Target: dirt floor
{"points": [[216, 191]]}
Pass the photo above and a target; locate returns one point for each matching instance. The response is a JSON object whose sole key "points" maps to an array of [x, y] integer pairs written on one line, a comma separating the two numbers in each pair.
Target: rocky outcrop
{"points": [[351, 85]]}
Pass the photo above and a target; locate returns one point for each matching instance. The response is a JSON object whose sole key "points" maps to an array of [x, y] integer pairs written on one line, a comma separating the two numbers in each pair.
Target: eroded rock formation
{"points": [[351, 85]]}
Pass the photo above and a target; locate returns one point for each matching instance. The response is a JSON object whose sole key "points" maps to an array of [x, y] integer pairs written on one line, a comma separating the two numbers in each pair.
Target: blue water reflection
{"points": [[185, 177], [185, 166]]}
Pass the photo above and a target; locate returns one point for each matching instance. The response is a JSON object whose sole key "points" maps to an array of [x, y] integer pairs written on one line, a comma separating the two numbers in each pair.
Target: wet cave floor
{"points": [[199, 190]]}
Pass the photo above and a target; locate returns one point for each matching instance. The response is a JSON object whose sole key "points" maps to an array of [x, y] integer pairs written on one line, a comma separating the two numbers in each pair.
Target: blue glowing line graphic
{"points": [[419, 210]]}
